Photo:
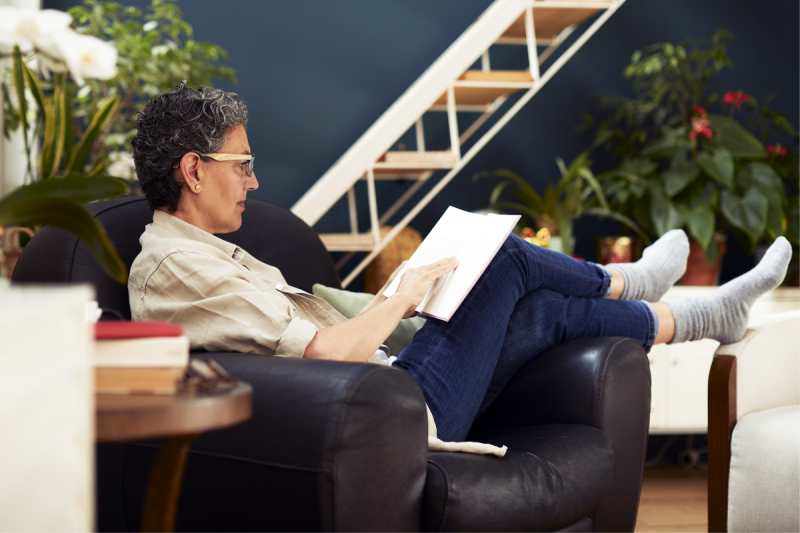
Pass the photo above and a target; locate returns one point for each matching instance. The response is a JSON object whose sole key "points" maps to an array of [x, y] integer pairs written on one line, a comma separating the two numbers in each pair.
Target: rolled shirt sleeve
{"points": [[220, 309], [297, 335]]}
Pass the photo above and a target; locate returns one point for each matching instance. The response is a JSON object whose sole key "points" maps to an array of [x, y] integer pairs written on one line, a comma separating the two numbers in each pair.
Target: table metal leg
{"points": [[164, 486]]}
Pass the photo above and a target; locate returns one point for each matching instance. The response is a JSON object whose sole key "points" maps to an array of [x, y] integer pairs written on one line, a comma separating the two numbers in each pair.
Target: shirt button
{"points": [[279, 287]]}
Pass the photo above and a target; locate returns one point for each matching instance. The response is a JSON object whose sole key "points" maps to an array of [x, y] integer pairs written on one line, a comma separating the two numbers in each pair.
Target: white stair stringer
{"points": [[368, 156]]}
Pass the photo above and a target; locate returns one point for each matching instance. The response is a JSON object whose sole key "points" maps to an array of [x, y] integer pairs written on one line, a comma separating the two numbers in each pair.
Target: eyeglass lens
{"points": [[249, 167]]}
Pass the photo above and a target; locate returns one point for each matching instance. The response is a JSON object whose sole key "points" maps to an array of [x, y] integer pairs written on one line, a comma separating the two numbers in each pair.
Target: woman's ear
{"points": [[190, 171]]}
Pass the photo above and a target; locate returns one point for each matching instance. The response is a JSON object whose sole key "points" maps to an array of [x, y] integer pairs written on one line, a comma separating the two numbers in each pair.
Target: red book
{"points": [[125, 329]]}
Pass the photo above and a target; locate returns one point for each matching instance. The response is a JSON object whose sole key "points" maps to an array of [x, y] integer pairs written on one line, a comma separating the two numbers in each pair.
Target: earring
{"points": [[197, 187]]}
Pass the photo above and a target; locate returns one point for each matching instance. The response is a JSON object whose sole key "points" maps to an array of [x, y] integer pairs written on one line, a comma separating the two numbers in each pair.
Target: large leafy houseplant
{"points": [[64, 176], [157, 51], [576, 193], [683, 167]]}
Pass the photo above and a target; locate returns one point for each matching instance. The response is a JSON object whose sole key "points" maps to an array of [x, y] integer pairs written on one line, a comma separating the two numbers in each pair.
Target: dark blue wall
{"points": [[318, 73]]}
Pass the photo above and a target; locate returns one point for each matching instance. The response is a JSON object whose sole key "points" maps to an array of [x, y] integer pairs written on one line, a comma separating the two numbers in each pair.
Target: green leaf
{"points": [[679, 176], [711, 253], [619, 217], [525, 188], [517, 208], [35, 87], [700, 220], [764, 176], [81, 153], [70, 216], [22, 103], [719, 166], [672, 140], [595, 186], [67, 117], [734, 137], [77, 188], [61, 131], [565, 229], [637, 167], [664, 215], [748, 214], [775, 220]]}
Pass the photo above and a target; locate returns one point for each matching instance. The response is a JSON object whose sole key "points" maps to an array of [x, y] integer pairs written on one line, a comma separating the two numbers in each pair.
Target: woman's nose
{"points": [[252, 182]]}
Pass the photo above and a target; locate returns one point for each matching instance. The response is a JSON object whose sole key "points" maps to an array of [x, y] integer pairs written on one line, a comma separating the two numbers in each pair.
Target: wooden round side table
{"points": [[179, 418]]}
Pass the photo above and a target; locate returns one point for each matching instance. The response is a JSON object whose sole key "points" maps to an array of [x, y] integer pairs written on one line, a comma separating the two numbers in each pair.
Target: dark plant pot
{"points": [[698, 271], [618, 250]]}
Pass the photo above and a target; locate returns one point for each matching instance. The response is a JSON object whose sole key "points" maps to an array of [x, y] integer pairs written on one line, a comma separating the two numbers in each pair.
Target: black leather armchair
{"points": [[342, 446]]}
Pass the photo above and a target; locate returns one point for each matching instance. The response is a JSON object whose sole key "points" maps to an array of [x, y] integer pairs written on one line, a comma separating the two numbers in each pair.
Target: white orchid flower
{"points": [[86, 56], [32, 28]]}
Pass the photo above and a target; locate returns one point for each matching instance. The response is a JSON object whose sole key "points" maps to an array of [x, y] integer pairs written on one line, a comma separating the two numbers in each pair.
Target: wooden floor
{"points": [[673, 499]]}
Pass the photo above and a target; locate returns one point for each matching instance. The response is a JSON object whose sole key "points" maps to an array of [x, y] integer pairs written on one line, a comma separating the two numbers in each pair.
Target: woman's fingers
{"points": [[442, 267]]}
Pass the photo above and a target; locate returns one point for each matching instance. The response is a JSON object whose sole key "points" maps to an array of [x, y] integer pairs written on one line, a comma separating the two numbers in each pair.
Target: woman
{"points": [[194, 161]]}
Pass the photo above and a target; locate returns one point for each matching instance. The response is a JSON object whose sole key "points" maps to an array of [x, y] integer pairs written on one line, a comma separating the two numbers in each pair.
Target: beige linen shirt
{"points": [[224, 298]]}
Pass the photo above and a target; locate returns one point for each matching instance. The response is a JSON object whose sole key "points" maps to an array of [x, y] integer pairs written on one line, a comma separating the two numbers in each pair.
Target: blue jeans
{"points": [[528, 299]]}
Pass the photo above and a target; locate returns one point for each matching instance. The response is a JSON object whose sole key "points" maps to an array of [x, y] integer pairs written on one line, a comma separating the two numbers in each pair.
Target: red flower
{"points": [[776, 150], [700, 127], [736, 98], [699, 110]]}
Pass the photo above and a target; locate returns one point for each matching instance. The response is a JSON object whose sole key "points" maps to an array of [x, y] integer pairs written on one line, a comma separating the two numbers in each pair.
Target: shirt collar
{"points": [[184, 230]]}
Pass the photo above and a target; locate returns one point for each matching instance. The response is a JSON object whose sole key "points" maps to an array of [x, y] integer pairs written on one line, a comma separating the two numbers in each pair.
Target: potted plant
{"points": [[64, 176], [577, 193], [682, 166], [157, 51]]}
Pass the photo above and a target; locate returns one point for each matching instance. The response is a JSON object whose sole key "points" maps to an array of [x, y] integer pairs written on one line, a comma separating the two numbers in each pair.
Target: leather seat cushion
{"points": [[550, 477]]}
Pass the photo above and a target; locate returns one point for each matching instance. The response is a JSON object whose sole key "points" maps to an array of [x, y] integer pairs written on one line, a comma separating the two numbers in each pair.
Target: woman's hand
{"points": [[392, 276], [415, 282]]}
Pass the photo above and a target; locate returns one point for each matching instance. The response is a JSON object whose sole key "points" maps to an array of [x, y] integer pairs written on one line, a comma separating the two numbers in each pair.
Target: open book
{"points": [[474, 239]]}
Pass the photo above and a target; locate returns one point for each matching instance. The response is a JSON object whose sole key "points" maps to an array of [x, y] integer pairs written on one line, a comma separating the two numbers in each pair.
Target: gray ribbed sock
{"points": [[662, 264], [723, 314]]}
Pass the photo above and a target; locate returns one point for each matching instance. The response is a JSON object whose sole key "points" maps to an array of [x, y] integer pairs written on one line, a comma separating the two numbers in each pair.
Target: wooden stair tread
{"points": [[514, 76], [486, 95], [548, 21], [347, 242], [412, 161]]}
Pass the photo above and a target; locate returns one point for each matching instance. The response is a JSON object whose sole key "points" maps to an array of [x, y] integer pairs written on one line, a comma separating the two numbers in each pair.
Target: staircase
{"points": [[448, 86]]}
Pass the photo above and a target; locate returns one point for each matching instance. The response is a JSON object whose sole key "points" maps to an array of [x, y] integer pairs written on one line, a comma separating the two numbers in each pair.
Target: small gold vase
{"points": [[618, 250]]}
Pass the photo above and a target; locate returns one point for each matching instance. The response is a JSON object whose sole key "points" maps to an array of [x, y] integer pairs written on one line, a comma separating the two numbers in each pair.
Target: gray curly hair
{"points": [[175, 123]]}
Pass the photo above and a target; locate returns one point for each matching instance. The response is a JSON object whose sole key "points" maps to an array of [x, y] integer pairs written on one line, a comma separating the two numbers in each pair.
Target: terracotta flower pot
{"points": [[698, 271]]}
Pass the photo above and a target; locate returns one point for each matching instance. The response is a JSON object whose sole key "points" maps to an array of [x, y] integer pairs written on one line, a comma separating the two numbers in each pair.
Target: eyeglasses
{"points": [[248, 165]]}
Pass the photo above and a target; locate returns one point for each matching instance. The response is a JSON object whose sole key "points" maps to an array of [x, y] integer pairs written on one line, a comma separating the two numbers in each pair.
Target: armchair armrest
{"points": [[767, 363], [330, 446], [586, 381], [755, 374], [601, 382]]}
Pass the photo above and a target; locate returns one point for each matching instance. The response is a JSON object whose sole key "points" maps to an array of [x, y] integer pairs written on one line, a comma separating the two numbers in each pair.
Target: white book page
{"points": [[473, 239], [474, 259], [447, 238]]}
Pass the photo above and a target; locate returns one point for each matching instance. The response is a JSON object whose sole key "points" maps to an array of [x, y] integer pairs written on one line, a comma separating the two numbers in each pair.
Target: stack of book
{"points": [[139, 357]]}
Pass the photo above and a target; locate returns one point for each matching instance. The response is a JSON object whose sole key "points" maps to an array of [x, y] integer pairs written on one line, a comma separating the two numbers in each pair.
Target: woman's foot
{"points": [[662, 264], [723, 314]]}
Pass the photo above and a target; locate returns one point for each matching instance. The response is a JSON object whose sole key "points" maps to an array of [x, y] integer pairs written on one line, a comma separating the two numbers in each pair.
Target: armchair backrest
{"points": [[272, 234], [767, 363]]}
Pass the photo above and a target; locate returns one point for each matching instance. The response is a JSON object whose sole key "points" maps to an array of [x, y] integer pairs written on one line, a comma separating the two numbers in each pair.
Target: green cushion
{"points": [[351, 303]]}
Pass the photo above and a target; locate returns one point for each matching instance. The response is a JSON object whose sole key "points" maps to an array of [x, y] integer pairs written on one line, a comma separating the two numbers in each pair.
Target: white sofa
{"points": [[754, 429]]}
